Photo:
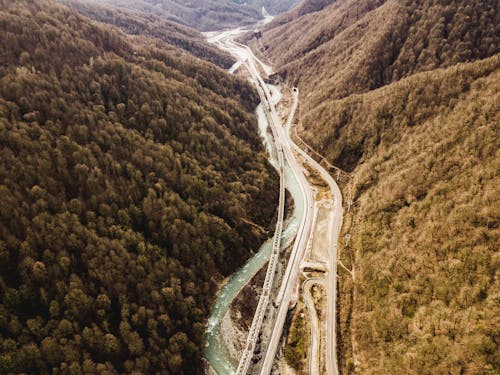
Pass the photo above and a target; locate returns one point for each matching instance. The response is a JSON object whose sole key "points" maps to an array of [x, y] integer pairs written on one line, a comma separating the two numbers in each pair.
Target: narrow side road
{"points": [[335, 224], [314, 350], [289, 290]]}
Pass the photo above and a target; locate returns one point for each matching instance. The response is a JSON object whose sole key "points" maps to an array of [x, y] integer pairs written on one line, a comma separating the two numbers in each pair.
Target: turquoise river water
{"points": [[215, 351]]}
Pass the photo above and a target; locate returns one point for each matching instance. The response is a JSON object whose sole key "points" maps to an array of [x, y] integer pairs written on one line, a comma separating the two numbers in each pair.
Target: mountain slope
{"points": [[353, 46], [137, 23], [404, 95], [206, 15], [199, 14], [272, 6], [129, 171], [427, 229]]}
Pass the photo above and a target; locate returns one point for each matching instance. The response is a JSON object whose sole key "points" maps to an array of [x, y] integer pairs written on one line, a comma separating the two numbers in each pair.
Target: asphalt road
{"points": [[335, 224], [245, 56], [288, 292]]}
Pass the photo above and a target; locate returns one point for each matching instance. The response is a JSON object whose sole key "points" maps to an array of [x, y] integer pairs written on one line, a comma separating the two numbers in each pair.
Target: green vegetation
{"points": [[298, 338], [129, 171], [404, 95]]}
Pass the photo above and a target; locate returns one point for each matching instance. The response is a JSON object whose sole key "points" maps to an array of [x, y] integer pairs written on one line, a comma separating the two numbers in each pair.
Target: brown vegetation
{"points": [[150, 25], [405, 95], [425, 237], [129, 171], [206, 15], [354, 46]]}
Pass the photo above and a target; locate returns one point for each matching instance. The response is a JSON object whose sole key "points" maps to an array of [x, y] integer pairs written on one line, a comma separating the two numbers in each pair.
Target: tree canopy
{"points": [[129, 172]]}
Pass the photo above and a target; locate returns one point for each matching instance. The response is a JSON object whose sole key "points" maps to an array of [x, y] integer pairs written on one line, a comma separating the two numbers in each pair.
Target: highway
{"points": [[263, 303], [243, 54], [288, 292], [334, 227]]}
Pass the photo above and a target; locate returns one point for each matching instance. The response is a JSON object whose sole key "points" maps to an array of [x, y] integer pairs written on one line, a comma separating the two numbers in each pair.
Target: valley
{"points": [[249, 187], [203, 15], [130, 174], [287, 294], [389, 94]]}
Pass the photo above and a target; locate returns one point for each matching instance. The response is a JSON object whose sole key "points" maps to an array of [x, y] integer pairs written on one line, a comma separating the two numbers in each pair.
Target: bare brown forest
{"points": [[404, 95]]}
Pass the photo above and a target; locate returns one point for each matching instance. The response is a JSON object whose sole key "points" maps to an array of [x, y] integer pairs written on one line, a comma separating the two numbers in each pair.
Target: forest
{"points": [[129, 173], [425, 232], [204, 15], [404, 97], [150, 25], [360, 45]]}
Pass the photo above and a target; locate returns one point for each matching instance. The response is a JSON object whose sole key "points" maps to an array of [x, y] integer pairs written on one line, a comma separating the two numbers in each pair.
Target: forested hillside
{"points": [[353, 46], [203, 15], [129, 174], [303, 8], [404, 95], [137, 23], [272, 6], [206, 15], [425, 234]]}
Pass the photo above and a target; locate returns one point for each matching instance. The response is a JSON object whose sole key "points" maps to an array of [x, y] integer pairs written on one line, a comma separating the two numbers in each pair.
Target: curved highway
{"points": [[225, 41], [334, 226], [289, 290], [289, 287]]}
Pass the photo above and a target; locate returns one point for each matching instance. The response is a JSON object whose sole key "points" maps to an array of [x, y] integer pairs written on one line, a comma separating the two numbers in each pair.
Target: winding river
{"points": [[215, 351]]}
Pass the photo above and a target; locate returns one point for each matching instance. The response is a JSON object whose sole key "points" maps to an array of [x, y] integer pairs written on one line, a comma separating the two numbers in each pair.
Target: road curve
{"points": [[335, 224], [225, 41], [314, 350], [289, 287], [290, 283], [290, 280]]}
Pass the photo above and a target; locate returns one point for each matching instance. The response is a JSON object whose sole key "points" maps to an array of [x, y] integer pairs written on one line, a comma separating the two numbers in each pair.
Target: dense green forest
{"points": [[129, 174], [404, 96]]}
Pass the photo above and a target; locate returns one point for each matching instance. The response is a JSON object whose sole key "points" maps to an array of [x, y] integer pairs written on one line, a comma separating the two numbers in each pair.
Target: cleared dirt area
{"points": [[319, 249]]}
